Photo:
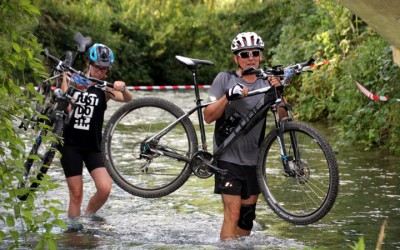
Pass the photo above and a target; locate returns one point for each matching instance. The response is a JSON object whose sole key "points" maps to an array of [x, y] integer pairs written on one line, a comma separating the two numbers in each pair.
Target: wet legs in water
{"points": [[232, 207], [75, 185]]}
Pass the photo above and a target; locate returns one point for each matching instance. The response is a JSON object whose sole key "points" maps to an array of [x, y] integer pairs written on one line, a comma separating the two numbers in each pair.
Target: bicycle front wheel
{"points": [[152, 174], [40, 158], [308, 194]]}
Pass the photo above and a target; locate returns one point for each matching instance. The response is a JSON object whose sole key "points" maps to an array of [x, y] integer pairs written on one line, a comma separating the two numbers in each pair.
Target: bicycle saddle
{"points": [[190, 62]]}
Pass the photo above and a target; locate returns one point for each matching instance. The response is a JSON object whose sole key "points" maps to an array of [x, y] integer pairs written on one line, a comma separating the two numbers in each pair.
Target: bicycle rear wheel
{"points": [[156, 175], [309, 195], [46, 87]]}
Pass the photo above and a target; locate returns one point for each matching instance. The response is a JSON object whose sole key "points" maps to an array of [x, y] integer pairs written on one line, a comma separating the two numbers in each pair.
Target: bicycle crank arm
{"points": [[222, 172]]}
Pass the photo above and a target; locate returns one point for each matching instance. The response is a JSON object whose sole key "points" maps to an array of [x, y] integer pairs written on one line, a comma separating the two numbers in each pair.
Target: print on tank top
{"points": [[85, 103]]}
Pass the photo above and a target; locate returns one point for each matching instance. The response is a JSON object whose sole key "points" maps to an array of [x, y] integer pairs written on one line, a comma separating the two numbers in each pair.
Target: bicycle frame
{"points": [[271, 97]]}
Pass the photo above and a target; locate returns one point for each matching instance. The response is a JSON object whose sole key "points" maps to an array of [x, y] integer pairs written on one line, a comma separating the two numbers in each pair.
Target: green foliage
{"points": [[359, 245], [19, 67], [371, 124], [158, 31]]}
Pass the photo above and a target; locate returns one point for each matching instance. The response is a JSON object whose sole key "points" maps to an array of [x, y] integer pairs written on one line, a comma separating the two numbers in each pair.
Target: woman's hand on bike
{"points": [[120, 86], [119, 93]]}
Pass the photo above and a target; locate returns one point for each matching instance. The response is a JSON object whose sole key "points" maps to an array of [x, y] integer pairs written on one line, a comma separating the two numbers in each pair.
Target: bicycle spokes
{"points": [[306, 192]]}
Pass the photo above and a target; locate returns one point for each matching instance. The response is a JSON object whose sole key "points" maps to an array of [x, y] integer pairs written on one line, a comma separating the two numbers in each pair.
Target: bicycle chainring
{"points": [[199, 164]]}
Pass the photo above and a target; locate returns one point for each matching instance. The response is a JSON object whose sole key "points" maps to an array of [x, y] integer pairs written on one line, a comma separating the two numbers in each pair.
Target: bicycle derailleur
{"points": [[145, 153]]}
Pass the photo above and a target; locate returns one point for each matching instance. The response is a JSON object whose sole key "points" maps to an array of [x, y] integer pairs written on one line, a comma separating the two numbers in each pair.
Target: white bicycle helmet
{"points": [[101, 55], [247, 40]]}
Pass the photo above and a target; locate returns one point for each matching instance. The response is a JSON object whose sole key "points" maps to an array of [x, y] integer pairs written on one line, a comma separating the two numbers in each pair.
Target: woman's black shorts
{"points": [[72, 160]]}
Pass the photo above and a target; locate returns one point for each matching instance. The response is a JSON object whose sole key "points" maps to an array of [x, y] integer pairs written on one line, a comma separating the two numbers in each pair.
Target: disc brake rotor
{"points": [[302, 173]]}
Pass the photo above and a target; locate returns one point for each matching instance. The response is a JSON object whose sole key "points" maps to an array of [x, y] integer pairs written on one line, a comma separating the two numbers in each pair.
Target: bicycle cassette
{"points": [[200, 164]]}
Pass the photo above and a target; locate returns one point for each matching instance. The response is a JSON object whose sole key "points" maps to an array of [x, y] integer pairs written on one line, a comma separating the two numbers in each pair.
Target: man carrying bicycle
{"points": [[239, 189]]}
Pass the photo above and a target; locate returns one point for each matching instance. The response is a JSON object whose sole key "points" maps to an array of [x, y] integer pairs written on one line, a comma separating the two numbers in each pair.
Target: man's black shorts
{"points": [[72, 160], [240, 180]]}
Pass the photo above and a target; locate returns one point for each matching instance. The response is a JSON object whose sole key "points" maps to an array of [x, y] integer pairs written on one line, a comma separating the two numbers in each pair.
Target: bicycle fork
{"points": [[287, 160]]}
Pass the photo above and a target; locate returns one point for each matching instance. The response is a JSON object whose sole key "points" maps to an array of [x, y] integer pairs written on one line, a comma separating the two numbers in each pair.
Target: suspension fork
{"points": [[280, 128]]}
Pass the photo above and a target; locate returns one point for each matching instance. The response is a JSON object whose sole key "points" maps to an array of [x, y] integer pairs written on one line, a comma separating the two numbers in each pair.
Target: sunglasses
{"points": [[98, 68], [247, 54]]}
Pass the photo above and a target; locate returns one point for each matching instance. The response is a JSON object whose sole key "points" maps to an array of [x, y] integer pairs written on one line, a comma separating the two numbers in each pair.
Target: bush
{"points": [[19, 68]]}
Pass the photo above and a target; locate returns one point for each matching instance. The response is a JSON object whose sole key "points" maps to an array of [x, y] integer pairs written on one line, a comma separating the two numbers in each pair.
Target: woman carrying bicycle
{"points": [[83, 134], [239, 189]]}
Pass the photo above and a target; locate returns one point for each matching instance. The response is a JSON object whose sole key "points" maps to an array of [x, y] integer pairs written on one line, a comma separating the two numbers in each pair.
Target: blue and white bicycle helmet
{"points": [[247, 40], [101, 55]]}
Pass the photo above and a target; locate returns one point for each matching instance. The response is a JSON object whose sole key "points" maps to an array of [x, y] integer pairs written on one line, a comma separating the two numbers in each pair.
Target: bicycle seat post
{"points": [[196, 86], [193, 65], [199, 111]]}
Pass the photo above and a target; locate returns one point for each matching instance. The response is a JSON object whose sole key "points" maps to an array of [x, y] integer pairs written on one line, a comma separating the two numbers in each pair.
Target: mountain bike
{"points": [[150, 149], [53, 116]]}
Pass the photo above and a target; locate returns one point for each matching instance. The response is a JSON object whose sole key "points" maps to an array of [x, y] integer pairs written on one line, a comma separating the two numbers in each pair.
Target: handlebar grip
{"points": [[300, 66], [310, 61], [251, 71]]}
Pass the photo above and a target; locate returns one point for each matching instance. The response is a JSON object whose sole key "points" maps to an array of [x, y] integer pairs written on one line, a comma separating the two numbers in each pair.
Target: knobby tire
{"points": [[123, 136], [309, 195]]}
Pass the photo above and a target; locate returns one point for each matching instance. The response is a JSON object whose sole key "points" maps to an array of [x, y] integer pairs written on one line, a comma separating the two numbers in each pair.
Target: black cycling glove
{"points": [[235, 92]]}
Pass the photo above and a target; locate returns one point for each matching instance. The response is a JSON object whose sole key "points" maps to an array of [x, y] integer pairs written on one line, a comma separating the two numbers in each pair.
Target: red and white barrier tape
{"points": [[317, 65], [166, 87], [159, 87], [373, 96]]}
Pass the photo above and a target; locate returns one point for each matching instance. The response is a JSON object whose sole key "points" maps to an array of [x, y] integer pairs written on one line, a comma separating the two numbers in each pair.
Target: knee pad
{"points": [[247, 215]]}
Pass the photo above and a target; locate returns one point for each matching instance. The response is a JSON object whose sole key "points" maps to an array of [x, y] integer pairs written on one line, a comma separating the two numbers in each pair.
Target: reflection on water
{"points": [[191, 217]]}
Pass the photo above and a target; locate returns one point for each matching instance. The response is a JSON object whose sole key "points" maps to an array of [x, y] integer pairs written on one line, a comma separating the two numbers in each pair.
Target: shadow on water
{"points": [[190, 218]]}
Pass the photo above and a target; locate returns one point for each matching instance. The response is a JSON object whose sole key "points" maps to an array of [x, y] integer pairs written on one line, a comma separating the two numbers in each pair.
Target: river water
{"points": [[190, 218]]}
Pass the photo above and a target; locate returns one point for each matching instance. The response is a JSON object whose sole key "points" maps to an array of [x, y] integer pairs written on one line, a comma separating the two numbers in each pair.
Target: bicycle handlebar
{"points": [[61, 66], [285, 73]]}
